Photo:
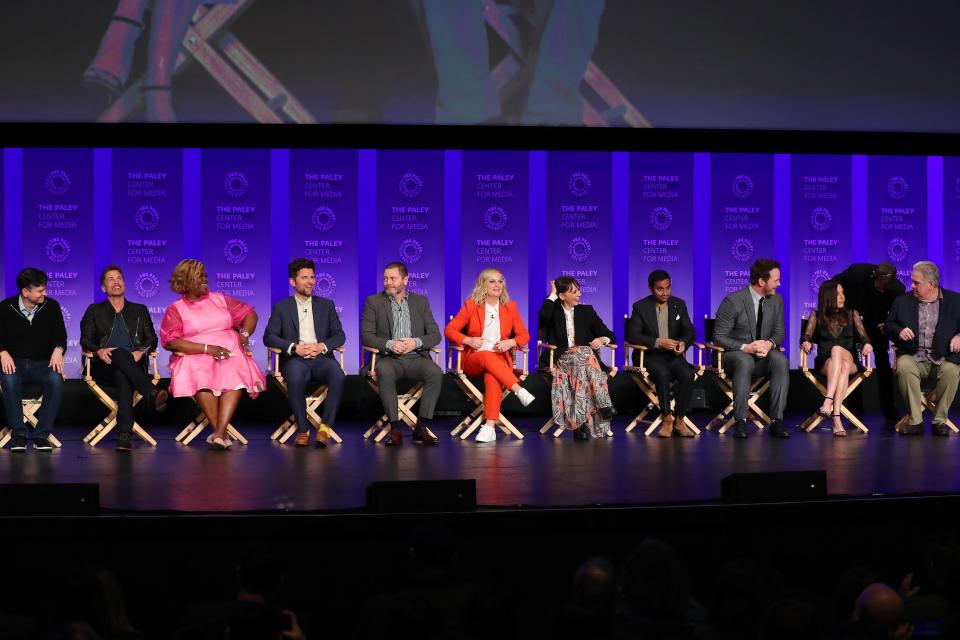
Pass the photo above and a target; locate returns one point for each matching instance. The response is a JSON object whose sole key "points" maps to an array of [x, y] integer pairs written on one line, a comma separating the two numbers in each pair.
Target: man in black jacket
{"points": [[925, 327], [660, 323], [871, 289], [121, 334], [33, 339]]}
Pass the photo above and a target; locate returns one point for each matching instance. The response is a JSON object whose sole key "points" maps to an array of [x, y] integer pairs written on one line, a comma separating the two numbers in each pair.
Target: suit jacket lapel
{"points": [[315, 306], [294, 313], [751, 315], [506, 323], [650, 310]]}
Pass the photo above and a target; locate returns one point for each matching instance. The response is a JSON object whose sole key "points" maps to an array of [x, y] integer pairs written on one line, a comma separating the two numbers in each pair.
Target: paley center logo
{"points": [[57, 182], [57, 249], [147, 218], [235, 184], [579, 184], [147, 285], [411, 251], [579, 249], [410, 185], [324, 218], [495, 218]]}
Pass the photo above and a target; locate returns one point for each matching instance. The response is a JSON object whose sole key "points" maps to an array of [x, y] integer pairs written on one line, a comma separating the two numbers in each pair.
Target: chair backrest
{"points": [[708, 324]]}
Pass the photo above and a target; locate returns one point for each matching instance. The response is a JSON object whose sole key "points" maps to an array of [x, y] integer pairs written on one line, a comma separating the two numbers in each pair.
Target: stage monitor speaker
{"points": [[53, 499], [774, 486], [422, 496]]}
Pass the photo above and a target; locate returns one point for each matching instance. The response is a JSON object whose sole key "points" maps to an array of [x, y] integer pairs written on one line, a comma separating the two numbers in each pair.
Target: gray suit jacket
{"points": [[376, 325], [736, 322]]}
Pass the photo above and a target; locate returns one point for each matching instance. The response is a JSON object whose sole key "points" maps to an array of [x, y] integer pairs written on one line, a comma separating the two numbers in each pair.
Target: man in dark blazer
{"points": [[925, 327], [306, 329], [399, 324], [871, 290], [660, 323], [749, 325]]}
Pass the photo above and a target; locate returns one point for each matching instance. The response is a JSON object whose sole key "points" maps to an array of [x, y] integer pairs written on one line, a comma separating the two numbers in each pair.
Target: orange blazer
{"points": [[470, 317]]}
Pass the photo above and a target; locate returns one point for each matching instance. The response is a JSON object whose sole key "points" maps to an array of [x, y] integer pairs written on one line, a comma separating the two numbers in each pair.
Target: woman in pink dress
{"points": [[210, 332]]}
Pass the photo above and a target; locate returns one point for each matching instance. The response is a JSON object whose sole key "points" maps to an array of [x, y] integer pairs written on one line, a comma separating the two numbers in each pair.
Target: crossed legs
{"points": [[838, 368]]}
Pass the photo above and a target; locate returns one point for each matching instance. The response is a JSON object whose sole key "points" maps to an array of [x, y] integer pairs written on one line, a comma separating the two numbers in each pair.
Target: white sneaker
{"points": [[486, 434], [524, 396]]}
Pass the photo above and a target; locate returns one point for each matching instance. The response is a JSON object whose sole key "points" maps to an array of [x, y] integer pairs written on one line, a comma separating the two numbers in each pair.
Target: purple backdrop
{"points": [[57, 234], [742, 217], [579, 225], [820, 228], [323, 228], [897, 211], [661, 220], [494, 221], [235, 229], [410, 221], [951, 230], [146, 224]]}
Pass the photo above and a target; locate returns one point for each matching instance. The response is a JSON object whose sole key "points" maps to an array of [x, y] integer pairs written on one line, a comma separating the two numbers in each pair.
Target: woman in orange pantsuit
{"points": [[490, 328]]}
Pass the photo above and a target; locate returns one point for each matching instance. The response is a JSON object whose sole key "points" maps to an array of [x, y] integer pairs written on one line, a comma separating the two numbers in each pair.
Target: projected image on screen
{"points": [[820, 65]]}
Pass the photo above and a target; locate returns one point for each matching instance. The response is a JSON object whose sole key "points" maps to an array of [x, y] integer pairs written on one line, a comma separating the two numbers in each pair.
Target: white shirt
{"points": [[568, 319], [491, 327], [305, 318]]}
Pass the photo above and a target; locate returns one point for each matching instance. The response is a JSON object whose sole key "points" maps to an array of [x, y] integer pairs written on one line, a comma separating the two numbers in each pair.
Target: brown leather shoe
{"points": [[321, 438], [666, 427], [303, 439], [160, 400], [422, 436], [681, 429], [394, 438]]}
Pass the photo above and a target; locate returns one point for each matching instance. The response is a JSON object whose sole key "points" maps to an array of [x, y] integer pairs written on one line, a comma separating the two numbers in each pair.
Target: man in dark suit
{"points": [[749, 325], [660, 323], [871, 290], [399, 324], [306, 329], [925, 327]]}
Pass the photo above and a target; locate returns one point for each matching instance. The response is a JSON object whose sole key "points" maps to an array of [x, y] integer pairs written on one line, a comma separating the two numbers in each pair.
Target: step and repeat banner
{"points": [[449, 215]]}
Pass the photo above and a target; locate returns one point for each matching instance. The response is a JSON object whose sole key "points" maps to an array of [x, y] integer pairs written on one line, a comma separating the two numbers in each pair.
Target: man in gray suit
{"points": [[749, 325], [400, 325]]}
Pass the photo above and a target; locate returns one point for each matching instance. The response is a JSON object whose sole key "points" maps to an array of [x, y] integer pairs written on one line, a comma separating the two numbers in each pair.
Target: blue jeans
{"points": [[31, 372]]}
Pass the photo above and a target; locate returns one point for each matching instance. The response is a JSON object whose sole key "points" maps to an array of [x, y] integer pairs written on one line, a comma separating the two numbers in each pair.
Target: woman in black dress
{"points": [[836, 331]]}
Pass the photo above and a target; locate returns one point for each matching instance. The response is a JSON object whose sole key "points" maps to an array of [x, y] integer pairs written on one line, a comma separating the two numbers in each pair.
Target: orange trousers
{"points": [[497, 375]]}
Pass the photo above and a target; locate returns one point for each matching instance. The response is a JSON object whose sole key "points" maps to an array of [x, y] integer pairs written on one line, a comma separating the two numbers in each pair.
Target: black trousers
{"points": [[126, 375], [885, 386], [666, 368]]}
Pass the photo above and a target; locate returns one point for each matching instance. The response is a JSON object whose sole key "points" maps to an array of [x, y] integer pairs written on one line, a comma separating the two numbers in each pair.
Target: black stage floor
{"points": [[539, 471]]}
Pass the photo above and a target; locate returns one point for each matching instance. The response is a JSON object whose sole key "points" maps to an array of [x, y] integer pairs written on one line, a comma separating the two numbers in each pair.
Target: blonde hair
{"points": [[186, 274], [479, 293]]}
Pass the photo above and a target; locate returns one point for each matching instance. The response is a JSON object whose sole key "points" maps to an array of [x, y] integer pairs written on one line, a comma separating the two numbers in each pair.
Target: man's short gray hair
{"points": [[929, 271]]}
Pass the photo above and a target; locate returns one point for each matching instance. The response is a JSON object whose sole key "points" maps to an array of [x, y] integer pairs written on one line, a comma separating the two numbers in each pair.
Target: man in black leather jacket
{"points": [[121, 334]]}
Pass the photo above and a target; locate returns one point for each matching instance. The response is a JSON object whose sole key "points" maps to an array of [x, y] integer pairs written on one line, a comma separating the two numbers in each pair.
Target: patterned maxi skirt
{"points": [[579, 391]]}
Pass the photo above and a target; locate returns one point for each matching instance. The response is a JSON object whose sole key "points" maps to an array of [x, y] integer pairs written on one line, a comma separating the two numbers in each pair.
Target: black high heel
{"points": [[821, 412], [842, 433]]}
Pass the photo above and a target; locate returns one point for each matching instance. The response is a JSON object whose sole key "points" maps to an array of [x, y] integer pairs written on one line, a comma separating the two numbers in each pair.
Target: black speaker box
{"points": [[422, 496], [774, 486], [68, 499]]}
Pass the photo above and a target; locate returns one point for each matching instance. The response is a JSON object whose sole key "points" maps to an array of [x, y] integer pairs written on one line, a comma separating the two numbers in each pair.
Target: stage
{"points": [[537, 472]]}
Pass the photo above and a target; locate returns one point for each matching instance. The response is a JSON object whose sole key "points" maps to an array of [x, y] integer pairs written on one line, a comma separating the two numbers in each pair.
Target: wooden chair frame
{"points": [[815, 419], [232, 66], [928, 401], [475, 417], [198, 424], [106, 425], [314, 399], [30, 408], [758, 386], [641, 377], [550, 371], [405, 401]]}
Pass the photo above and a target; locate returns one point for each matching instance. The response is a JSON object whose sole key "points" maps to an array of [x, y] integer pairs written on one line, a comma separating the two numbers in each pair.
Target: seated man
{"points": [[661, 323], [924, 325], [749, 325], [33, 339], [399, 324], [121, 335], [306, 329]]}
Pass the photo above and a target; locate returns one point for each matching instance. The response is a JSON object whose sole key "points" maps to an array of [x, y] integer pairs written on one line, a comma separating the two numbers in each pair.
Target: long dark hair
{"points": [[828, 314]]}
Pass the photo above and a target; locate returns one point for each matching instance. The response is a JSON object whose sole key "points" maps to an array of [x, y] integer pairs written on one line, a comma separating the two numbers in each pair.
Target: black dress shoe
{"points": [[940, 429], [777, 430], [422, 436], [607, 413], [740, 429], [582, 433], [911, 430]]}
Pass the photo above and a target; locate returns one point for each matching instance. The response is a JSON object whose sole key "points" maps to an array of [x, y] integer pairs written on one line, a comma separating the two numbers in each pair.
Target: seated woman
{"points": [[493, 330], [836, 331], [580, 397], [210, 332]]}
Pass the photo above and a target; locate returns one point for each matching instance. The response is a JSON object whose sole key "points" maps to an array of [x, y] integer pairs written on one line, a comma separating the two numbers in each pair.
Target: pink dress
{"points": [[210, 319]]}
